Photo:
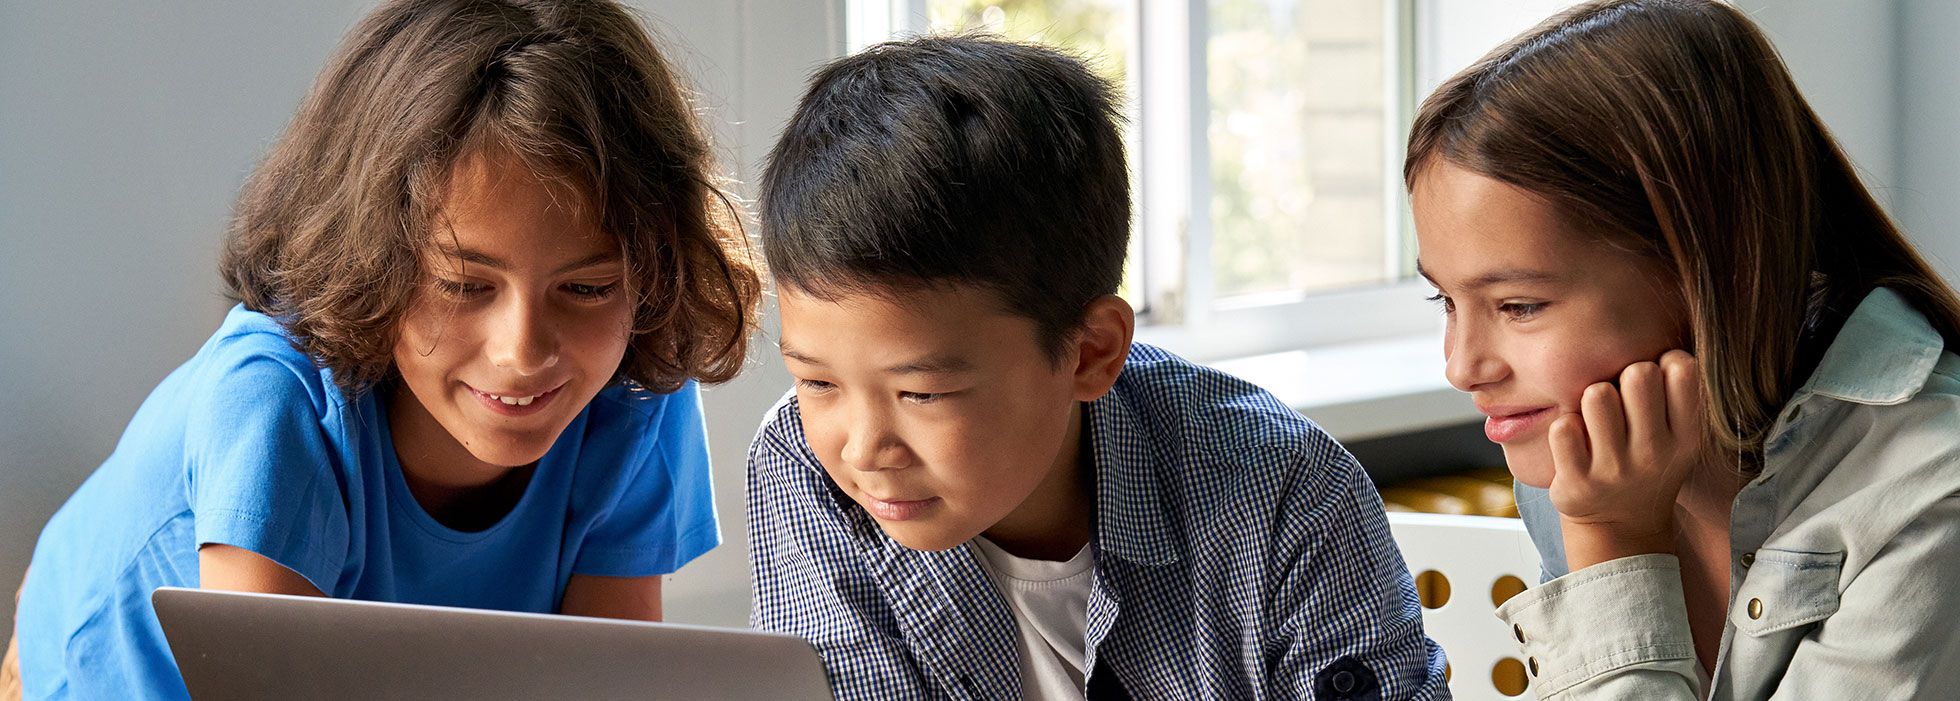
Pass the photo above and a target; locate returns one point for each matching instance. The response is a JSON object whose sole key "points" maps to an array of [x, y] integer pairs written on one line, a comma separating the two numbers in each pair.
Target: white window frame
{"points": [[1180, 309]]}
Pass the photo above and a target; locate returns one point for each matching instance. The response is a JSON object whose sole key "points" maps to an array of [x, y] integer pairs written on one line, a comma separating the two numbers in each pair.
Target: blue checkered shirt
{"points": [[1240, 553]]}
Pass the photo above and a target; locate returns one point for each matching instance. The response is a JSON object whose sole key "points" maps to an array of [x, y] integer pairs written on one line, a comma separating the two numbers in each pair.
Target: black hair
{"points": [[953, 160]]}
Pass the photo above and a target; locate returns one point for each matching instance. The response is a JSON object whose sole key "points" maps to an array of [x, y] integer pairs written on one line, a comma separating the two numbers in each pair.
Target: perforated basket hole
{"points": [[1509, 677], [1504, 588], [1432, 589]]}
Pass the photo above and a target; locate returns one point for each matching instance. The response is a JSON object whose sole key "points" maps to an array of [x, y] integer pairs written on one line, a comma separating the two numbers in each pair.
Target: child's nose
{"points": [[869, 444], [526, 342], [1469, 361]]}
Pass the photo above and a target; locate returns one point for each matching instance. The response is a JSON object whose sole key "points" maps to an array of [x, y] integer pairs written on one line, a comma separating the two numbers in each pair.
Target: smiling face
{"points": [[1536, 310], [521, 321], [941, 415]]}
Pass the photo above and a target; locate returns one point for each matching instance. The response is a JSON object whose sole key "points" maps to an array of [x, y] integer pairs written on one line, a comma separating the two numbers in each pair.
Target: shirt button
{"points": [[1343, 681], [1748, 559], [1755, 609], [1518, 630]]}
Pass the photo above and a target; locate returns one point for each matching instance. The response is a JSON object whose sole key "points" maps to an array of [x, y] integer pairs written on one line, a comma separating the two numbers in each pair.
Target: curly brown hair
{"points": [[329, 233]]}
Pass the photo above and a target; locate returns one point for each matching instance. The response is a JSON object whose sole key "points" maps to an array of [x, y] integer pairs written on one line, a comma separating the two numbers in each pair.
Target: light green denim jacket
{"points": [[1845, 568]]}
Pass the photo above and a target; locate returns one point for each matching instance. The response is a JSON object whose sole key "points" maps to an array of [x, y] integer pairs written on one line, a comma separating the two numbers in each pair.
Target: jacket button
{"points": [[1755, 609], [1748, 559], [1343, 681], [1518, 630]]}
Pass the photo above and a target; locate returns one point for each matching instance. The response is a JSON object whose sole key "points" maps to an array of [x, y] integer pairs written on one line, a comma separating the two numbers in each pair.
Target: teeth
{"points": [[515, 401]]}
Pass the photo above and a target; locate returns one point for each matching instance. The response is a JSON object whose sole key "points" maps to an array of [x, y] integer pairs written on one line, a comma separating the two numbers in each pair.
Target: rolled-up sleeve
{"points": [[1616, 630]]}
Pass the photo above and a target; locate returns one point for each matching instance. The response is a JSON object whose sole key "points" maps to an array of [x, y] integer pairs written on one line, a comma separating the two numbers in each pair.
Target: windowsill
{"points": [[1362, 390]]}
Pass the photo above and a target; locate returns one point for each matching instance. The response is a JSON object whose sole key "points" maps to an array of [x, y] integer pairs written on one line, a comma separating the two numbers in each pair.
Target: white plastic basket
{"points": [[1479, 558]]}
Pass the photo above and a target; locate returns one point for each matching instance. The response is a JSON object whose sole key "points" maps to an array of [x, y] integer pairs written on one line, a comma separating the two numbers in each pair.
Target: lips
{"points": [[1506, 424], [899, 509], [516, 402]]}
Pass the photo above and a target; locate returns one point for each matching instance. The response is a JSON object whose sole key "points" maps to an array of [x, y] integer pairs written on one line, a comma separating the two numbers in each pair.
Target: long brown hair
{"points": [[1671, 128], [329, 233]]}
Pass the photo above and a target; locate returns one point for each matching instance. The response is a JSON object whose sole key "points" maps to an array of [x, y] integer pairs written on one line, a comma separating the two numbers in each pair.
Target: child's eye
{"points": [[1448, 305], [1521, 311], [815, 385], [460, 290], [592, 291], [923, 397]]}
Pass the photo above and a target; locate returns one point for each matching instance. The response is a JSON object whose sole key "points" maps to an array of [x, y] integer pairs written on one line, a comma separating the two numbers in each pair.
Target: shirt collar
{"points": [[1131, 517], [1882, 356]]}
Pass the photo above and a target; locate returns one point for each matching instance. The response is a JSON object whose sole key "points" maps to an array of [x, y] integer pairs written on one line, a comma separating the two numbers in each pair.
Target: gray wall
{"points": [[1927, 200], [126, 129], [1843, 57], [1882, 74]]}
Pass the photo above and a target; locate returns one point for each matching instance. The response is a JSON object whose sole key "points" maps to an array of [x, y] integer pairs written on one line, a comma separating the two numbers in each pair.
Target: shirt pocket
{"points": [[1785, 589], [1784, 595]]}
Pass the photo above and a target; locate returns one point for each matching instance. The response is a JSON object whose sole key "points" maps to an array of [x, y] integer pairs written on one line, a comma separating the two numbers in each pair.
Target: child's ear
{"points": [[1102, 344]]}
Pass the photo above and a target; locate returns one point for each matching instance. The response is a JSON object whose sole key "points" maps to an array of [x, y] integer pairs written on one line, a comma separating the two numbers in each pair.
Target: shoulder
{"points": [[1230, 451], [629, 424], [1943, 384], [1195, 412], [250, 366], [1920, 434], [781, 432], [1862, 473], [783, 471], [1916, 441]]}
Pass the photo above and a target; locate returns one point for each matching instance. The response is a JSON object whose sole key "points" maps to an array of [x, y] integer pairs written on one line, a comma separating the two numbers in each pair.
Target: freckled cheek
{"points": [[434, 329], [430, 354], [603, 352], [597, 339], [417, 333]]}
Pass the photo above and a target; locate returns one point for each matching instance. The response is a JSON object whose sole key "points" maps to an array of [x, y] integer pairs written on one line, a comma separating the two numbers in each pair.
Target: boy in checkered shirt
{"points": [[980, 486]]}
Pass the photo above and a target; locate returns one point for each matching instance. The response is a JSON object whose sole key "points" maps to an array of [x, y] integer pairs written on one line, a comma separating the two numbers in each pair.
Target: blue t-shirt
{"points": [[250, 444]]}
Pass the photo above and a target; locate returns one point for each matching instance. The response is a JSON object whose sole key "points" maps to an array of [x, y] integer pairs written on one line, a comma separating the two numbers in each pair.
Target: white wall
{"points": [[126, 129]]}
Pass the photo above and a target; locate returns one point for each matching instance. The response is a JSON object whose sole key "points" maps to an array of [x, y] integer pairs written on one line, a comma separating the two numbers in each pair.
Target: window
{"points": [[1264, 142]]}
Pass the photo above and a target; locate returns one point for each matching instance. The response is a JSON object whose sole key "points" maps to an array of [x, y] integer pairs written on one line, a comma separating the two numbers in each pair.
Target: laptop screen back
{"points": [[231, 645]]}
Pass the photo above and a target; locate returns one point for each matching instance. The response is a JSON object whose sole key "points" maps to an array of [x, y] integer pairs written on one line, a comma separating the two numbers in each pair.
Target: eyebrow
{"points": [[489, 261], [798, 357], [930, 365], [935, 365], [1495, 277]]}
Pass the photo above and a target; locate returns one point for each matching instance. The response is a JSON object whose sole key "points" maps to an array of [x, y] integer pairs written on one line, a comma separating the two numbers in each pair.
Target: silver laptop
{"points": [[262, 646]]}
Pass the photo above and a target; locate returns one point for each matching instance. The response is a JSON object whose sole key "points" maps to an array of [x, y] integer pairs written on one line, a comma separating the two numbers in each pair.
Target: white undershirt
{"points": [[1050, 601]]}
